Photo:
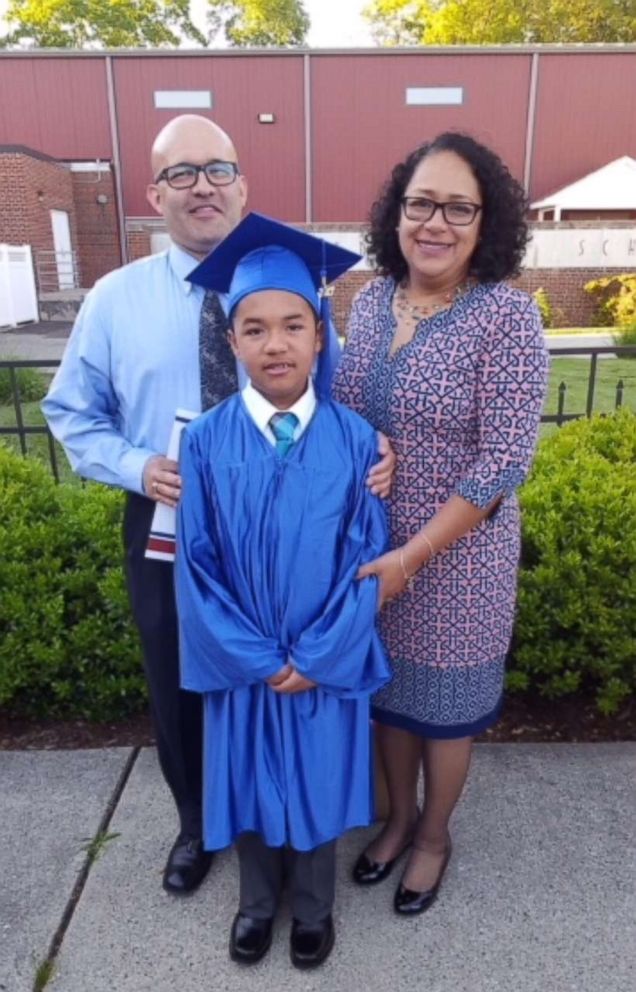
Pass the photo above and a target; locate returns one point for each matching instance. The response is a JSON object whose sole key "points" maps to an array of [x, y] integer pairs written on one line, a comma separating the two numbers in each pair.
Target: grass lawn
{"points": [[573, 371]]}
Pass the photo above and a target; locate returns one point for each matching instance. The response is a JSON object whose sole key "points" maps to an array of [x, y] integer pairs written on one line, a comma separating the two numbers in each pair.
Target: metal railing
{"points": [[620, 351], [56, 270], [23, 431]]}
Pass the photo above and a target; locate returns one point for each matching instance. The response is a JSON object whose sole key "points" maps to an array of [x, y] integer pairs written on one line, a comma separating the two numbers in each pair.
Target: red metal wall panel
{"points": [[586, 116], [55, 105], [362, 125], [270, 155]]}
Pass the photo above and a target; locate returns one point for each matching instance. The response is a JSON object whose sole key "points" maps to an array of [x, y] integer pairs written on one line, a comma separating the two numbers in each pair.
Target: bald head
{"points": [[189, 131], [197, 216]]}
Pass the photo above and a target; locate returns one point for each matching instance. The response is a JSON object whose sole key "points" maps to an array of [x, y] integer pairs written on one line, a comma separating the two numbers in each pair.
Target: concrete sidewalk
{"points": [[539, 895], [45, 340]]}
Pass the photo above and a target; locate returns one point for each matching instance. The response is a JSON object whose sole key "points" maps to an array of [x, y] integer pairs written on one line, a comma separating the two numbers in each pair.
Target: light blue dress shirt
{"points": [[131, 360]]}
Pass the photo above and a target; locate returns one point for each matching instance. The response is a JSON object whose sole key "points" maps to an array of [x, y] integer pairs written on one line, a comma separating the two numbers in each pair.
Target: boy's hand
{"points": [[295, 682], [381, 475], [280, 676]]}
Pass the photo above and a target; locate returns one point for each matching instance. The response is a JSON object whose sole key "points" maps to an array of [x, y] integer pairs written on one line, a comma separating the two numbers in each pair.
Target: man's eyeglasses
{"points": [[185, 175], [456, 212]]}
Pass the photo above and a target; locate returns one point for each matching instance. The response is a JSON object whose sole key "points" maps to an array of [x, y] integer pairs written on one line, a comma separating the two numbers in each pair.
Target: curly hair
{"points": [[504, 231]]}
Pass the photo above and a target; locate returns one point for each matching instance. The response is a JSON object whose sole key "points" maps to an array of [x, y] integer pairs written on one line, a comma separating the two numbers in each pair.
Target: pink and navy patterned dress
{"points": [[461, 404]]}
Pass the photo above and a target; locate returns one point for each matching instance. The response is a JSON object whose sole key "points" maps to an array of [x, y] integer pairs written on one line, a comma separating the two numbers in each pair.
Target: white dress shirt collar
{"points": [[261, 410]]}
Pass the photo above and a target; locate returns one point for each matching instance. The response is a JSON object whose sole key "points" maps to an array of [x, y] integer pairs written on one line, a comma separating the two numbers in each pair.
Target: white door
{"points": [[63, 248]]}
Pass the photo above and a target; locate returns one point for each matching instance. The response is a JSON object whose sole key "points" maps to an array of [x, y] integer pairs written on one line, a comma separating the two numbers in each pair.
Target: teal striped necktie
{"points": [[283, 427]]}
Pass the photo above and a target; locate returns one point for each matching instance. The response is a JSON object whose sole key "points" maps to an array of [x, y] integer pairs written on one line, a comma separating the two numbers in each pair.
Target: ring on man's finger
{"points": [[155, 486]]}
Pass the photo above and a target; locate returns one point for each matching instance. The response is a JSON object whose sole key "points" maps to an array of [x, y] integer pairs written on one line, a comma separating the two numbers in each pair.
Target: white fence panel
{"points": [[18, 295]]}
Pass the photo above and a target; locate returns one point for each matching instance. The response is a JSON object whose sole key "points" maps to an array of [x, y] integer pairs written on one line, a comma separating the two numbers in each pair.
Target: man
{"points": [[145, 343]]}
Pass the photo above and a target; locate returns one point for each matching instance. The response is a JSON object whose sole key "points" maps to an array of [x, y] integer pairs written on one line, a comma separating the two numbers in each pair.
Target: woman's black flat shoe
{"points": [[367, 872], [409, 903]]}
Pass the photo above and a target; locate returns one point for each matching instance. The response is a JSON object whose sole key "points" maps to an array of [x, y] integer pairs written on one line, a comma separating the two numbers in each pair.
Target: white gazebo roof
{"points": [[613, 187]]}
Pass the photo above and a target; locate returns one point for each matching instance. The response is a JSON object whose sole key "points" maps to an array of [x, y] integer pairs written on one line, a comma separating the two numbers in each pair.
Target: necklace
{"points": [[420, 311]]}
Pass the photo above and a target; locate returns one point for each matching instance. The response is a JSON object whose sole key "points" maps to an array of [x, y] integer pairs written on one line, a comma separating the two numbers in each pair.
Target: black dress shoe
{"points": [[250, 939], [311, 943], [187, 866], [407, 902], [367, 872]]}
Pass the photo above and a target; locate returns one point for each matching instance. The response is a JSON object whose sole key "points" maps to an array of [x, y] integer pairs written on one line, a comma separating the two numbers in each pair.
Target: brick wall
{"points": [[138, 244], [97, 236], [30, 187], [572, 305]]}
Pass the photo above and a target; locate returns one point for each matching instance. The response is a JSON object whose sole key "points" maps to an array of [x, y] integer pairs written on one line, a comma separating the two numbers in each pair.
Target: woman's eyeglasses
{"points": [[459, 213]]}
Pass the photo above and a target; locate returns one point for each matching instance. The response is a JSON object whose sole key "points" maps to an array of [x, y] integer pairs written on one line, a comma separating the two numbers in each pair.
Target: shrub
{"points": [[625, 335], [68, 647], [32, 385], [576, 625], [616, 299], [542, 300]]}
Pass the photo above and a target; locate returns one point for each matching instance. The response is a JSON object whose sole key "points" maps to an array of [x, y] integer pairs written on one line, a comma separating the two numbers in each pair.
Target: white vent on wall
{"points": [[434, 96], [183, 100]]}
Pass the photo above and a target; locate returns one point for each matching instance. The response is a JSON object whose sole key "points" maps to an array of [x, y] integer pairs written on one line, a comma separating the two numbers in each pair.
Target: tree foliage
{"points": [[96, 24], [500, 22], [266, 23]]}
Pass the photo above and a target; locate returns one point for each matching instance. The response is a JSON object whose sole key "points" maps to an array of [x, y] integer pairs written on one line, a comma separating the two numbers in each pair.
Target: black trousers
{"points": [[177, 715], [310, 875]]}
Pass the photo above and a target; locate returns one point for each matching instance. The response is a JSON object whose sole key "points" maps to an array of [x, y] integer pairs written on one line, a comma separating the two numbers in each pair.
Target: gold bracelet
{"points": [[407, 578], [430, 546]]}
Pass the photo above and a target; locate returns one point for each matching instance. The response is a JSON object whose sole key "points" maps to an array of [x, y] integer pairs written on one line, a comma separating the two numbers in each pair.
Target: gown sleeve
{"points": [[341, 650], [220, 647], [511, 383]]}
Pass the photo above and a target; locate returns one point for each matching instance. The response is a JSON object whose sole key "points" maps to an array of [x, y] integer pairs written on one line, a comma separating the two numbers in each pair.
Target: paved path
{"points": [[596, 340], [45, 340], [539, 896]]}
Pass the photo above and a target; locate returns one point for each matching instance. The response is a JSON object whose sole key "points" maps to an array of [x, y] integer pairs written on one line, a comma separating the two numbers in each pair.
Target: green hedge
{"points": [[576, 626], [67, 644], [68, 647], [32, 385]]}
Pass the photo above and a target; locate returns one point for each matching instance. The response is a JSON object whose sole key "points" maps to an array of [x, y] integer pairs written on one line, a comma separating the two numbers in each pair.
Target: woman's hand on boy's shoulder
{"points": [[381, 475]]}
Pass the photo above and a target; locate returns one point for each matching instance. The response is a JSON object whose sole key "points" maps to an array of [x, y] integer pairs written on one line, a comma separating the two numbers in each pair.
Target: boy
{"points": [[276, 632]]}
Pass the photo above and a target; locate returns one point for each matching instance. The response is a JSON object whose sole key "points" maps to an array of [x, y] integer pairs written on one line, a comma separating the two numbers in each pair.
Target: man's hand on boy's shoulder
{"points": [[381, 475], [288, 680], [161, 480]]}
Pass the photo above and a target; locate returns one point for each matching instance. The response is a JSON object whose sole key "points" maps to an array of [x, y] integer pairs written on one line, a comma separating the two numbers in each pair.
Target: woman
{"points": [[449, 362]]}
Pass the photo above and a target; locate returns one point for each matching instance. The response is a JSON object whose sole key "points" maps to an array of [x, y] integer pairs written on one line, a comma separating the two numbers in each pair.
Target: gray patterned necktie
{"points": [[218, 365]]}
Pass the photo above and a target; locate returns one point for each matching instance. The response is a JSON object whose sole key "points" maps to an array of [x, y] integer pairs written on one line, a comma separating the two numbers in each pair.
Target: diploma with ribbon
{"points": [[161, 540]]}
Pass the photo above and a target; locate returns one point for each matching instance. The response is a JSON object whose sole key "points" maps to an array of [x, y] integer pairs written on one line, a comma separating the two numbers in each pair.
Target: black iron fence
{"points": [[594, 353], [20, 429], [23, 431]]}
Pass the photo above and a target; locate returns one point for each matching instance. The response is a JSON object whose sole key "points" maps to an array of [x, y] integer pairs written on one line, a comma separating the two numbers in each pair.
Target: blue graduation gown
{"points": [[267, 552]]}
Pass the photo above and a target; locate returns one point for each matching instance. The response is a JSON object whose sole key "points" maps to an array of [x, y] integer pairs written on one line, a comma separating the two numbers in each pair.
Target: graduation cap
{"points": [[261, 253]]}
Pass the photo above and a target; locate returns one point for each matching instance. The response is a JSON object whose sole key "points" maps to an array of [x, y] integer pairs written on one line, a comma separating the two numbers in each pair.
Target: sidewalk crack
{"points": [[46, 968]]}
